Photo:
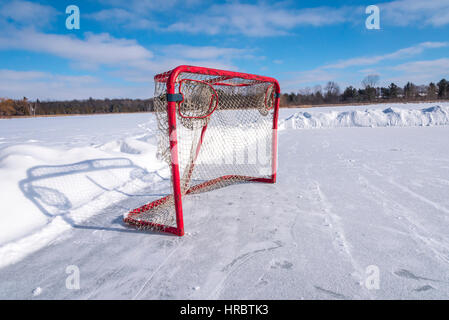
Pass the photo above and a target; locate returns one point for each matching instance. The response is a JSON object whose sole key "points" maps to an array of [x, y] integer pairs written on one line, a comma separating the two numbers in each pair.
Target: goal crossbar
{"points": [[220, 91]]}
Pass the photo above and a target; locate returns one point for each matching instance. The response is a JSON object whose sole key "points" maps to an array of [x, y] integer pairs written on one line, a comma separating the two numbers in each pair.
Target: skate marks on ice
{"points": [[332, 294], [404, 273], [332, 225], [239, 262], [409, 220], [178, 245], [405, 213], [385, 212]]}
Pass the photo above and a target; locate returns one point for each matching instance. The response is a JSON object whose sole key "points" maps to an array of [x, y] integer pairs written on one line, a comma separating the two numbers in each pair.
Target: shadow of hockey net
{"points": [[216, 128]]}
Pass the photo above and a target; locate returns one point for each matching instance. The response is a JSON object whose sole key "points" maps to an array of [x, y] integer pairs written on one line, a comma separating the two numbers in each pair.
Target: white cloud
{"points": [[369, 71], [145, 6], [259, 20], [125, 59], [416, 12], [13, 75], [308, 78], [173, 55], [120, 16], [22, 76], [203, 52], [138, 14], [399, 54], [424, 66], [48, 86], [25, 13], [422, 71], [95, 50], [418, 71]]}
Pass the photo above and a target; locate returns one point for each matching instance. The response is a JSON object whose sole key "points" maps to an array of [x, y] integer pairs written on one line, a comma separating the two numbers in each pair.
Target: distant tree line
{"points": [[330, 94], [25, 107], [368, 93]]}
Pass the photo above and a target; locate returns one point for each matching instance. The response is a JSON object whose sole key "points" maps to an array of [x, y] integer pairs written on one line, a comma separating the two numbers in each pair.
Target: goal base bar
{"points": [[133, 220]]}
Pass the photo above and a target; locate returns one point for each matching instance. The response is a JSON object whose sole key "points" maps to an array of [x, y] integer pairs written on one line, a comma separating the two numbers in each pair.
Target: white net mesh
{"points": [[224, 133]]}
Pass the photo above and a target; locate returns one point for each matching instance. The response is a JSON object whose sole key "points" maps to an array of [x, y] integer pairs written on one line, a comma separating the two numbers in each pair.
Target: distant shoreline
{"points": [[72, 115], [283, 107]]}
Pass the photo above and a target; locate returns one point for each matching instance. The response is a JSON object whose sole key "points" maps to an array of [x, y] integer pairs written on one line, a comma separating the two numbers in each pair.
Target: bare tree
{"points": [[410, 90], [305, 91], [370, 81], [332, 91], [332, 88]]}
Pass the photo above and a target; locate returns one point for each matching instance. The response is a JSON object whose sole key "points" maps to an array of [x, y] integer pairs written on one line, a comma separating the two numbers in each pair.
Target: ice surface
{"points": [[362, 191]]}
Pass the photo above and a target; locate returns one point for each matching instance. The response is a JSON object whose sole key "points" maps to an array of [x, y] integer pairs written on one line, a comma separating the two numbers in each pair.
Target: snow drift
{"points": [[345, 200], [58, 172], [389, 117]]}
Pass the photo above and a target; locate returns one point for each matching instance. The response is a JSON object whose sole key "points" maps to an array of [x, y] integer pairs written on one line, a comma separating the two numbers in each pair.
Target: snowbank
{"points": [[389, 117], [52, 184], [58, 172]]}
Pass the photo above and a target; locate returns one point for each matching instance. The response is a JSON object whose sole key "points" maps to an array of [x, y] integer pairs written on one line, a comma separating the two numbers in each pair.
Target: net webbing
{"points": [[224, 134]]}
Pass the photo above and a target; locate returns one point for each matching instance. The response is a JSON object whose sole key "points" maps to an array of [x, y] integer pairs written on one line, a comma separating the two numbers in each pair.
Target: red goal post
{"points": [[201, 111]]}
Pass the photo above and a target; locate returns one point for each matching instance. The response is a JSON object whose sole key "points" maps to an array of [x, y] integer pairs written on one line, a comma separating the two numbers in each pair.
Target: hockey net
{"points": [[224, 135]]}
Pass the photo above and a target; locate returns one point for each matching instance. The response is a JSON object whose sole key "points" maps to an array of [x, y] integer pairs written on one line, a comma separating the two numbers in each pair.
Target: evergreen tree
{"points": [[410, 90], [350, 94], [432, 91], [443, 89], [393, 90]]}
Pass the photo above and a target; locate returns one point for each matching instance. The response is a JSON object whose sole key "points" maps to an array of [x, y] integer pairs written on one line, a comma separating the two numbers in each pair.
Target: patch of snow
{"points": [[388, 117], [37, 291], [345, 199]]}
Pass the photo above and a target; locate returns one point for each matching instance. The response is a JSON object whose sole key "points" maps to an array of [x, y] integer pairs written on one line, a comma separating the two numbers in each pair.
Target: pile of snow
{"points": [[69, 175], [389, 117], [58, 172]]}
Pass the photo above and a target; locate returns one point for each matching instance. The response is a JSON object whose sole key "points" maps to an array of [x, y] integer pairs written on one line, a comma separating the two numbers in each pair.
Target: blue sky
{"points": [[122, 44]]}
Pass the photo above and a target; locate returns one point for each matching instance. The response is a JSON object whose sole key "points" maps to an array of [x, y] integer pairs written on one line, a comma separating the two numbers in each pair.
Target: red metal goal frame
{"points": [[170, 78]]}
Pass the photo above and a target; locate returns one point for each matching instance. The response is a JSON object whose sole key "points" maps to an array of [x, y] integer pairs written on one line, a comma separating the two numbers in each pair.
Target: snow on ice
{"points": [[360, 210]]}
